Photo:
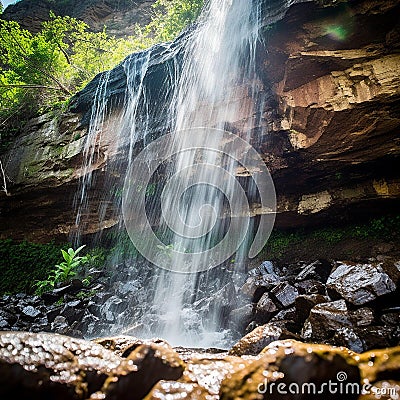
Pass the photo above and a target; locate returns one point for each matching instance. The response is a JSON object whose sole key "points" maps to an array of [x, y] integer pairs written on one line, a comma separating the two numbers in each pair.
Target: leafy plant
{"points": [[63, 271], [22, 263]]}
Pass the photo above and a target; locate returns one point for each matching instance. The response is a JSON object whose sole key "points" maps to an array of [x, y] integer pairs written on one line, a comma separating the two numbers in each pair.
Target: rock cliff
{"points": [[330, 72], [118, 16]]}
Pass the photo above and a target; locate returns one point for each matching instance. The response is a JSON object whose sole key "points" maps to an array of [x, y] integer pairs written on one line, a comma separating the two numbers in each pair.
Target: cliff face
{"points": [[118, 16], [331, 75]]}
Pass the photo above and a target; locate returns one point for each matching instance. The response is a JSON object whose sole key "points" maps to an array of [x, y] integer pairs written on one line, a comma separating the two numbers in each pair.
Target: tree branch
{"points": [[27, 86], [4, 188], [53, 78]]}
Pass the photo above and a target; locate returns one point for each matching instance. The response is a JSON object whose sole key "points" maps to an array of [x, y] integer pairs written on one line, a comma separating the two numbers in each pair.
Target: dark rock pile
{"points": [[74, 309], [344, 304]]}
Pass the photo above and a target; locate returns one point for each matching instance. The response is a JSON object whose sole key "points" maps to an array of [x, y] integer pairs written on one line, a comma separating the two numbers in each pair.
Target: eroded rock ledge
{"points": [[330, 73]]}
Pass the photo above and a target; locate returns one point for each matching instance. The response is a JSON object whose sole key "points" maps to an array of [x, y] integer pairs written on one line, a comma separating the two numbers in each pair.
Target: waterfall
{"points": [[173, 184]]}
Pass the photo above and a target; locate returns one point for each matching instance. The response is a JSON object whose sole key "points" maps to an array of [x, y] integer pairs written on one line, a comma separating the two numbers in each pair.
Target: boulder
{"points": [[318, 270], [173, 390], [241, 317], [284, 294], [151, 363], [360, 283], [260, 337], [304, 304], [265, 308], [289, 362], [50, 366], [325, 319], [40, 366]]}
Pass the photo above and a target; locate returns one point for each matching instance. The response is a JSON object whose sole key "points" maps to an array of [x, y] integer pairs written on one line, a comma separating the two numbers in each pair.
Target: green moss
{"points": [[22, 263], [284, 244]]}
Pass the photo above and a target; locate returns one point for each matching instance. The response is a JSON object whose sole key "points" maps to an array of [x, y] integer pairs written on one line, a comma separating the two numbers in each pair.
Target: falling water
{"points": [[210, 84]]}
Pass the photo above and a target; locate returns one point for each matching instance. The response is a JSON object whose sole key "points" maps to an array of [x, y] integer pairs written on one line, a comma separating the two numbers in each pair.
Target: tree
{"points": [[171, 17]]}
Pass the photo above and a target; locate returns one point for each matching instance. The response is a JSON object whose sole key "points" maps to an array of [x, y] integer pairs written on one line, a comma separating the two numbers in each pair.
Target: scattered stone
{"points": [[325, 319], [362, 317], [285, 294], [391, 317], [255, 341], [348, 338], [241, 317], [30, 312], [360, 283], [255, 286], [318, 270], [304, 304], [289, 314], [310, 286], [265, 308]]}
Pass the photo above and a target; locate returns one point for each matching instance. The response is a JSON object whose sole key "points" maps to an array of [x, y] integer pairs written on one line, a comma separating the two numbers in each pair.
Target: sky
{"points": [[8, 2]]}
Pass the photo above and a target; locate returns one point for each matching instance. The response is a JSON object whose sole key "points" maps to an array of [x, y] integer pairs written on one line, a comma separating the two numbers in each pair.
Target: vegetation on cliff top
{"points": [[39, 72]]}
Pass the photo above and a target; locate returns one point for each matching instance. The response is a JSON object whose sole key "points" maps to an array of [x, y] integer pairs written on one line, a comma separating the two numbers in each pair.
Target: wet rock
{"points": [[289, 314], [112, 307], [30, 312], [151, 363], [290, 362], [241, 317], [375, 337], [265, 308], [53, 312], [72, 312], [256, 286], [391, 316], [285, 294], [173, 390], [261, 279], [377, 365], [318, 270], [48, 366], [255, 341], [4, 324], [304, 304], [310, 286], [362, 317], [123, 345], [325, 319], [347, 337], [360, 283], [60, 325]]}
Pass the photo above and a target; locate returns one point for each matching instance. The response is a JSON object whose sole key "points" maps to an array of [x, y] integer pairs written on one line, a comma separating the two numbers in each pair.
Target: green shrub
{"points": [[62, 272], [23, 263]]}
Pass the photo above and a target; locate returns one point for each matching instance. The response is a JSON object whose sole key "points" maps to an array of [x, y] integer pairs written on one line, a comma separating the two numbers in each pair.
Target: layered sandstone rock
{"points": [[328, 131]]}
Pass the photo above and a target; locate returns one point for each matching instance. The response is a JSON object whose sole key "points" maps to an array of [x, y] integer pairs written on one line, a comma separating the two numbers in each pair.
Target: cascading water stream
{"points": [[210, 86]]}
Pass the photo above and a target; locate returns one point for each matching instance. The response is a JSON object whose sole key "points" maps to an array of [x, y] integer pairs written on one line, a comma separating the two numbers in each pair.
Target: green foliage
{"points": [[23, 263], [43, 69], [282, 243], [63, 271], [171, 17]]}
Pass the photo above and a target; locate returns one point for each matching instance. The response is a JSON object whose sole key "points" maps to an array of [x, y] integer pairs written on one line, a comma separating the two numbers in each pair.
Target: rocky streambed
{"points": [[52, 366], [303, 323]]}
